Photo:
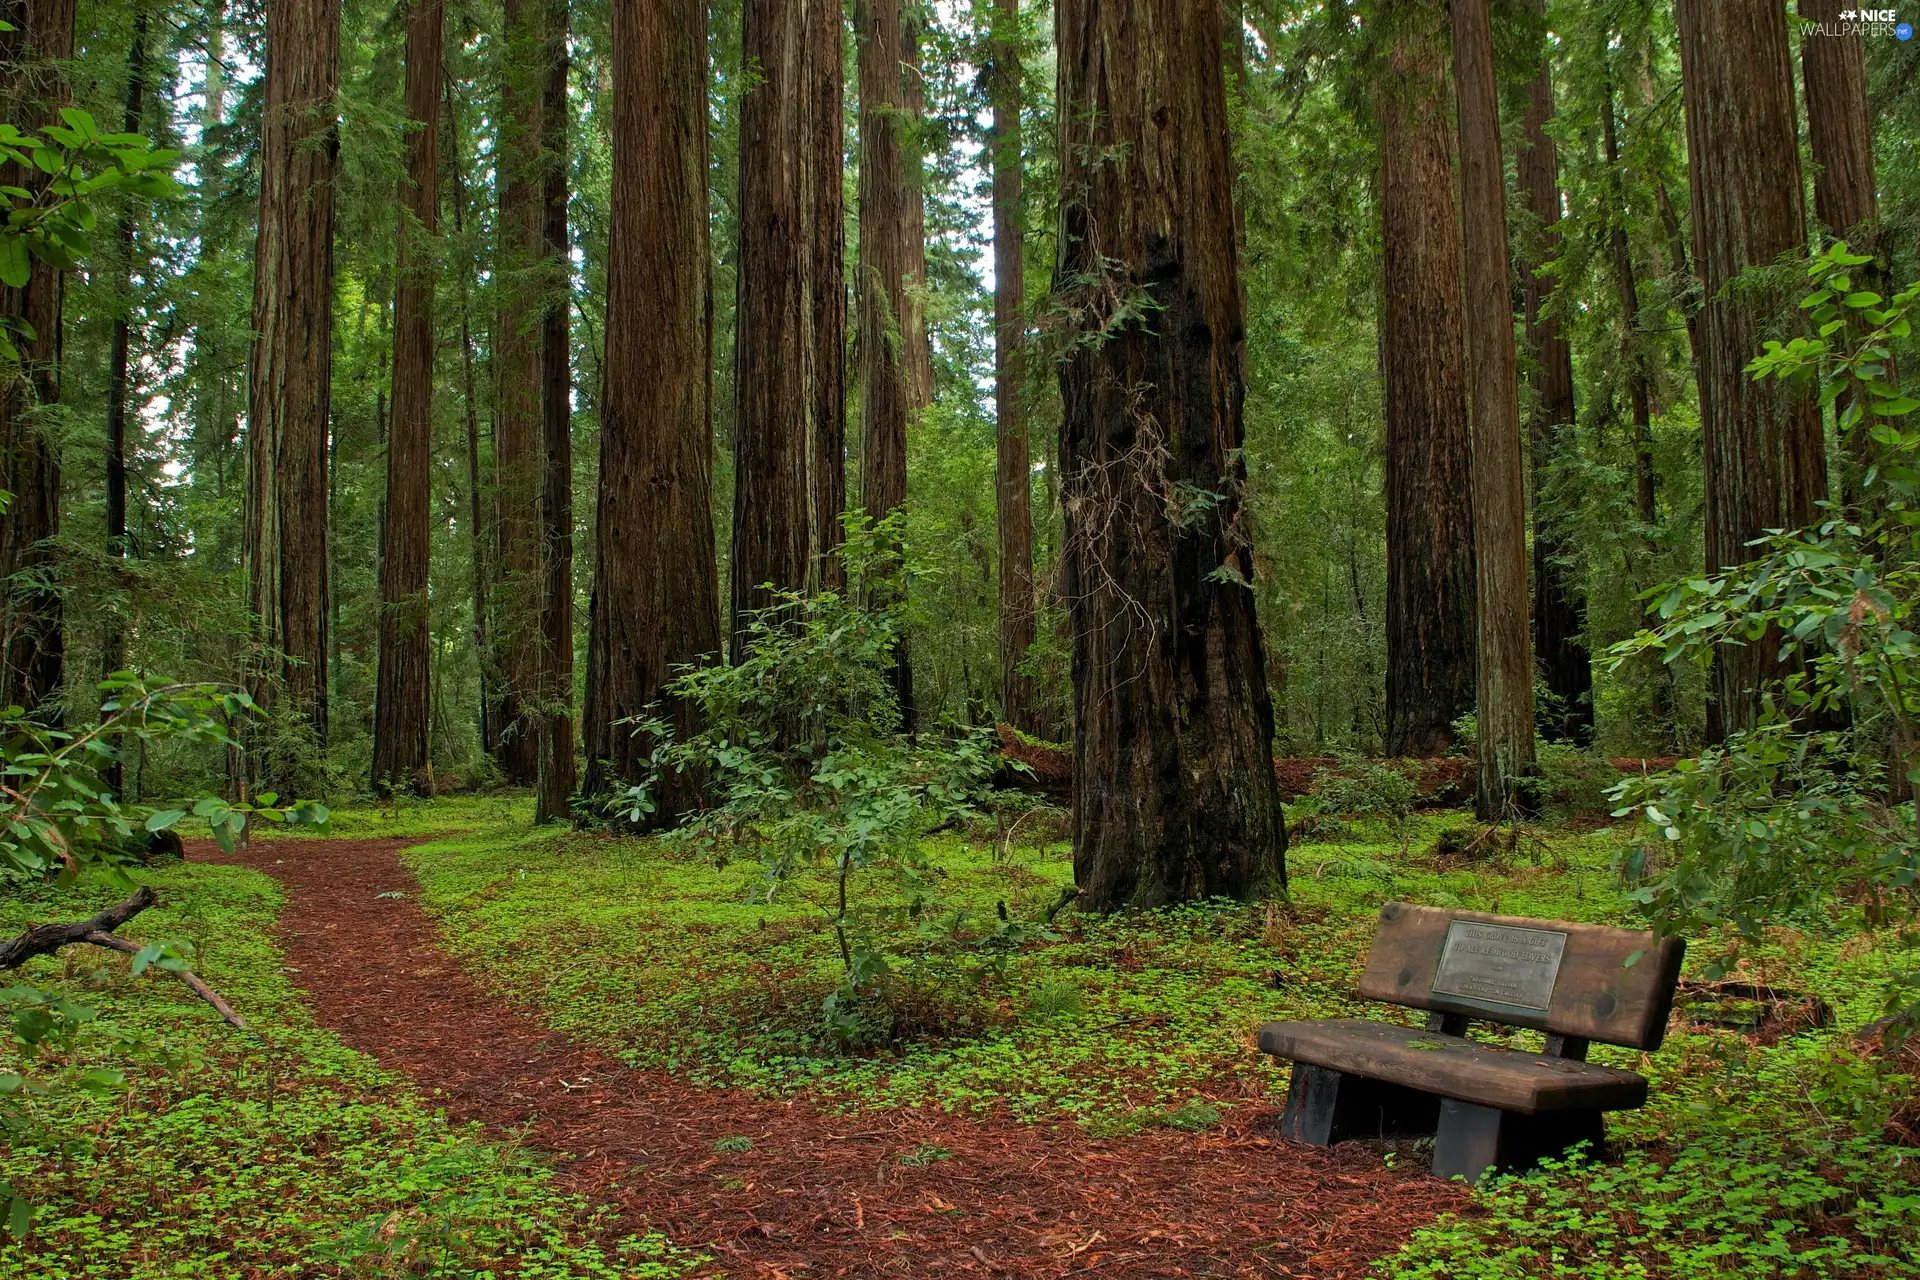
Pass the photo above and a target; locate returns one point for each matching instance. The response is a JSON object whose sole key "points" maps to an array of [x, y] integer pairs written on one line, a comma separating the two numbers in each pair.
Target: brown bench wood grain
{"points": [[1488, 1106]]}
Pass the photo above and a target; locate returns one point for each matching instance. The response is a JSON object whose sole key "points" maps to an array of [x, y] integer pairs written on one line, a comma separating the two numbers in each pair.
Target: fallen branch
{"points": [[45, 939], [187, 976]]}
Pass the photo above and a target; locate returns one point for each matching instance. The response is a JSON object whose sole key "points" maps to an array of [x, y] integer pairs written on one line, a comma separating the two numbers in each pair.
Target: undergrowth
{"points": [[1751, 1158], [275, 1153]]}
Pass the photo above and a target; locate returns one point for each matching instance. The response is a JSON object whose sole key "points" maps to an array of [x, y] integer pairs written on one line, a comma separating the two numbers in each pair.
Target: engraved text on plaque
{"points": [[1499, 964]]}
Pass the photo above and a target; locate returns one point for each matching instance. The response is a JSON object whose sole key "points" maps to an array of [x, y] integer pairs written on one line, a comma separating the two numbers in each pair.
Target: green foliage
{"points": [[1362, 788], [1780, 822], [280, 1153]]}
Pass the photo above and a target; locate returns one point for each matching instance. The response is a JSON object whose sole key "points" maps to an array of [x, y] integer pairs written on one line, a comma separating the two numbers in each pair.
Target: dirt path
{"points": [[820, 1194]]}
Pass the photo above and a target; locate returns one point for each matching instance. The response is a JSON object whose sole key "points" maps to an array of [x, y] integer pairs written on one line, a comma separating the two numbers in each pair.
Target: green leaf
{"points": [[19, 1218], [15, 267], [164, 818]]}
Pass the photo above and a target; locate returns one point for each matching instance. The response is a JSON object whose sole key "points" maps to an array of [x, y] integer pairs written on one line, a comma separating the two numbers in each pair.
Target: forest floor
{"points": [[909, 1191], [478, 1048]]}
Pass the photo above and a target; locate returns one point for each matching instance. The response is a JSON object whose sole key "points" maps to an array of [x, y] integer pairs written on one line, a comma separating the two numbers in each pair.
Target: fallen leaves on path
{"points": [[817, 1194]]}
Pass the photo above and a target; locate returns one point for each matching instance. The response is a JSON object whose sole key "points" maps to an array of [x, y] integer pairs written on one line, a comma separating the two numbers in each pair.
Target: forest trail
{"points": [[820, 1194]]}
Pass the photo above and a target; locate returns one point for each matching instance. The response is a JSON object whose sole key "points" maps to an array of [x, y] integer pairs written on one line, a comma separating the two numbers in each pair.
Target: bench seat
{"points": [[1455, 1067]]}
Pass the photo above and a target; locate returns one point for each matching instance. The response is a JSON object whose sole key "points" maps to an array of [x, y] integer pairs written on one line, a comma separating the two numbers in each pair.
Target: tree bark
{"points": [[1765, 460], [827, 234], [891, 263], [656, 589], [1431, 589], [35, 88], [401, 705], [113, 643], [1840, 127], [478, 508], [1505, 650], [290, 373], [1620, 254], [517, 426], [558, 774], [1013, 471], [788, 404], [1174, 796], [1558, 619]]}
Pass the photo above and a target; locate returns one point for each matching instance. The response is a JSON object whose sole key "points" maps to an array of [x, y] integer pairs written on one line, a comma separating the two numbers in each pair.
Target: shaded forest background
{"points": [[1315, 94]]}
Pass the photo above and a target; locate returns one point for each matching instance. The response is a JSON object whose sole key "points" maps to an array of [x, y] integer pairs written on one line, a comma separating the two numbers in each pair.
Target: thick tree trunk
{"points": [[1505, 668], [775, 350], [656, 590], [827, 285], [1764, 455], [478, 533], [891, 263], [558, 774], [1558, 622], [290, 375], [517, 427], [1840, 127], [401, 704], [1013, 472], [1633, 342], [113, 643], [1429, 452], [35, 649], [1174, 796]]}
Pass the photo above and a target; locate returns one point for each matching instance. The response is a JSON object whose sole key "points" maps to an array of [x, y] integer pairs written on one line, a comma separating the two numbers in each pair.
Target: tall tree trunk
{"points": [[1429, 452], [1174, 796], [1620, 254], [290, 374], [892, 261], [1558, 621], [1505, 668], [656, 589], [773, 499], [1764, 455], [1013, 472], [1840, 127], [478, 532], [402, 703], [517, 426], [36, 87], [113, 644], [827, 233], [558, 773]]}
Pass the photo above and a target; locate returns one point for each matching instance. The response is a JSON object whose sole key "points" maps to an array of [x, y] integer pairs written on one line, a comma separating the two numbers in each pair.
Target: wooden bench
{"points": [[1488, 1107]]}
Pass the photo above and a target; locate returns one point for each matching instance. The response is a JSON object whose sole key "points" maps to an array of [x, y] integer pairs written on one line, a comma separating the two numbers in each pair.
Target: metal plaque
{"points": [[1499, 964]]}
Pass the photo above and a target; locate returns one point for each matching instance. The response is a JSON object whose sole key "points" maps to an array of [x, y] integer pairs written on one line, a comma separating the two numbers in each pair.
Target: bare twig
{"points": [[188, 976]]}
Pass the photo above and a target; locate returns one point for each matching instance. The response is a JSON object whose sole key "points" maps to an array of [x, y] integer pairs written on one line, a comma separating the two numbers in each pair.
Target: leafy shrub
{"points": [[1362, 788], [1573, 782]]}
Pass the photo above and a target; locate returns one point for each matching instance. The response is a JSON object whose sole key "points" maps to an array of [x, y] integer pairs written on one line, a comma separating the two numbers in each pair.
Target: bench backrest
{"points": [[1565, 979]]}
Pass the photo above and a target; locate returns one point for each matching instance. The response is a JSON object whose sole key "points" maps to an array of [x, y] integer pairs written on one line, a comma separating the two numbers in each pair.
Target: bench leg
{"points": [[1326, 1106], [1472, 1140]]}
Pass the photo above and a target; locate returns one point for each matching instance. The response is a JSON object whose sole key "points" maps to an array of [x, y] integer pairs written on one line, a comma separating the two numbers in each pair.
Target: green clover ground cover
{"points": [[1751, 1160], [277, 1153]]}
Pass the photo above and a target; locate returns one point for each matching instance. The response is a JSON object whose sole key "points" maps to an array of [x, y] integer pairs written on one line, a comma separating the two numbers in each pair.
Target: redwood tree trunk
{"points": [[1633, 342], [401, 705], [656, 590], [558, 774], [1764, 455], [290, 374], [1013, 474], [1505, 668], [517, 426], [827, 285], [113, 644], [1429, 452], [1558, 622], [1174, 796], [1840, 127], [37, 49], [891, 263], [773, 502]]}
